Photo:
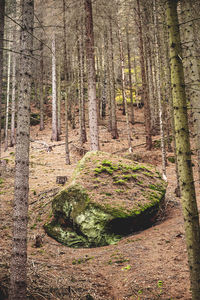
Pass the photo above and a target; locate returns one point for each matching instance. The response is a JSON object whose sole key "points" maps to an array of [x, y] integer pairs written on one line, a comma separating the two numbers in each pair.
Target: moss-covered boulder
{"points": [[107, 198]]}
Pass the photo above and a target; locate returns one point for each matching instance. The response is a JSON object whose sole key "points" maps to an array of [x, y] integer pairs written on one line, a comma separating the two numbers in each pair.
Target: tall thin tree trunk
{"points": [[147, 113], [59, 96], [124, 92], [20, 207], [163, 150], [41, 87], [13, 105], [14, 82], [8, 95], [2, 11], [83, 137], [114, 131], [67, 155], [54, 136], [129, 73], [192, 72], [188, 196], [93, 122]]}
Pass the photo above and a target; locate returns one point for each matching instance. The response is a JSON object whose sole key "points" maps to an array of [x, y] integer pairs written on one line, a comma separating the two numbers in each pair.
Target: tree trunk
{"points": [[14, 83], [8, 94], [80, 50], [188, 197], [20, 207], [192, 72], [114, 131], [2, 11], [129, 73], [59, 96], [147, 113], [41, 88], [163, 150], [124, 92], [54, 136], [67, 156], [93, 122]]}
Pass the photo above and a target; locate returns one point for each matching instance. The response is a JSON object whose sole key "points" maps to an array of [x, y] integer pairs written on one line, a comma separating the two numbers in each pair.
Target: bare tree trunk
{"points": [[83, 137], [41, 88], [123, 91], [114, 131], [93, 122], [59, 96], [147, 114], [2, 11], [192, 72], [129, 73], [163, 150], [14, 85], [8, 94], [20, 207], [54, 136], [183, 150], [67, 155]]}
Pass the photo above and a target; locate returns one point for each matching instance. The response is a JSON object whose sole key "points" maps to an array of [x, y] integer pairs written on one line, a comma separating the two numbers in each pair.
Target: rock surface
{"points": [[107, 198]]}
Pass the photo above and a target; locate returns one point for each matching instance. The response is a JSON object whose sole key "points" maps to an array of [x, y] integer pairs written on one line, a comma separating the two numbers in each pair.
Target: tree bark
{"points": [[188, 197], [8, 94], [54, 136], [2, 11], [41, 88], [67, 155], [129, 73], [147, 114], [93, 119], [124, 92], [192, 71], [20, 208], [114, 131]]}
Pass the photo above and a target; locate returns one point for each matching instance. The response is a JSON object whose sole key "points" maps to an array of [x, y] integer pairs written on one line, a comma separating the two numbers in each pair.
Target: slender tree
{"points": [[2, 11], [188, 197], [67, 156], [93, 122], [20, 208], [54, 136], [147, 115]]}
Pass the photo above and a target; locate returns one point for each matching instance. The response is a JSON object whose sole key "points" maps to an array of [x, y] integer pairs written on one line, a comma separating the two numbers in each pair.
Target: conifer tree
{"points": [[183, 152]]}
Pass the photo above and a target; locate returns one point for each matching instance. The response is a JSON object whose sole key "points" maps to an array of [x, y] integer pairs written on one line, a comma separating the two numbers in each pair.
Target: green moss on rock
{"points": [[84, 218]]}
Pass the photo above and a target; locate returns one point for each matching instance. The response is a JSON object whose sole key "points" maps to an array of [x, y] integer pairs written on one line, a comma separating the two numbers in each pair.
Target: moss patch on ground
{"points": [[107, 198]]}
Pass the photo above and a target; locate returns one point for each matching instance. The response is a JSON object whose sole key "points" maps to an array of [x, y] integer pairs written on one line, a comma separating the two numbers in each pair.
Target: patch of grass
{"points": [[171, 159], [82, 260], [120, 182], [1, 180], [33, 226]]}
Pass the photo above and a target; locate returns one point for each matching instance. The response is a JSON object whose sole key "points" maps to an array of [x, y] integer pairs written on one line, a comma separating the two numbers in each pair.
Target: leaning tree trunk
{"points": [[2, 11], [93, 118], [188, 197], [20, 207]]}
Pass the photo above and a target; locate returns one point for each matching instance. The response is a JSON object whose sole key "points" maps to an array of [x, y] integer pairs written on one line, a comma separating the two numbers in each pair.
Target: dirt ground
{"points": [[151, 264]]}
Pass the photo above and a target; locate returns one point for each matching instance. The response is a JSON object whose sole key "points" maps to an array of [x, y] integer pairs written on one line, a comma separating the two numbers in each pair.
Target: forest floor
{"points": [[151, 264]]}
